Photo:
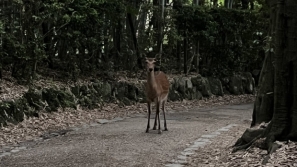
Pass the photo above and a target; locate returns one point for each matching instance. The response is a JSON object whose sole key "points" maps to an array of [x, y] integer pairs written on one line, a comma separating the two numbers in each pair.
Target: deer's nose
{"points": [[150, 69]]}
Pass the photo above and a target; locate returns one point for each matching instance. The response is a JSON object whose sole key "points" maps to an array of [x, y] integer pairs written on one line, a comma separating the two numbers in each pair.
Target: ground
{"points": [[122, 141], [201, 133]]}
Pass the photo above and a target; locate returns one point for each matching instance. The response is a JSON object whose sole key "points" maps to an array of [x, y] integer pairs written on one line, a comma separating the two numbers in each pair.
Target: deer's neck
{"points": [[151, 80]]}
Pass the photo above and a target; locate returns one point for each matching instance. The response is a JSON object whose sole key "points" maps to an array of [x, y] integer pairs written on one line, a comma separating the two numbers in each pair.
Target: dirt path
{"points": [[125, 143]]}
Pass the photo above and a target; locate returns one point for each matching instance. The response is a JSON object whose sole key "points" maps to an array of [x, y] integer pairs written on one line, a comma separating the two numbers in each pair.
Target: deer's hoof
{"points": [[154, 128], [165, 129], [160, 131], [147, 130]]}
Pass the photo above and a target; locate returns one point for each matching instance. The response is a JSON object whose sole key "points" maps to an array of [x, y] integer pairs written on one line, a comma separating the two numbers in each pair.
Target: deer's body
{"points": [[157, 89]]}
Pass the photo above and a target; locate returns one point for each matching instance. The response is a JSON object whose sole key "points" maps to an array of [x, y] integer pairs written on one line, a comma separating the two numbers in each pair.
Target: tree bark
{"points": [[129, 16], [283, 122]]}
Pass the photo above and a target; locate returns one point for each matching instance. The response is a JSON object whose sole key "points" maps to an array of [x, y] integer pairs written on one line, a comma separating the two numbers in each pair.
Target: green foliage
{"points": [[80, 37], [230, 40]]}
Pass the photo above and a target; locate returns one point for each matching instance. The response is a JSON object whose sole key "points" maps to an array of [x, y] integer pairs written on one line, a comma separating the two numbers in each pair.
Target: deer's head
{"points": [[150, 64]]}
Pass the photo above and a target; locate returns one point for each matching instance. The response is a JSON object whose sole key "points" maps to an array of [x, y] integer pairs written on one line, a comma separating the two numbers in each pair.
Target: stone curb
{"points": [[181, 159]]}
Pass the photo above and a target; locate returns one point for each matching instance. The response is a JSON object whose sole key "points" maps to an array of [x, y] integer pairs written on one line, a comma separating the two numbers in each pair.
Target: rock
{"points": [[102, 121], [57, 98], [5, 154], [248, 82], [118, 119], [13, 111], [75, 90], [256, 75], [103, 88], [174, 95], [184, 84], [216, 86], [202, 85], [235, 85], [209, 136], [34, 97], [181, 88], [130, 91]]}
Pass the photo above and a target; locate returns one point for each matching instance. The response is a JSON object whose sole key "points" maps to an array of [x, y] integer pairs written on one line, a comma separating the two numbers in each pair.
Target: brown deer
{"points": [[157, 89]]}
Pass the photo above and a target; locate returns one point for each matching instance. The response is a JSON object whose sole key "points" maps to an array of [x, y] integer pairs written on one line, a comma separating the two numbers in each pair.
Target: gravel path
{"points": [[125, 143]]}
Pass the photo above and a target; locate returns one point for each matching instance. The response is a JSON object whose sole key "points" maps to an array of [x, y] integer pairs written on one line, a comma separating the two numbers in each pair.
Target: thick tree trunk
{"points": [[263, 106], [283, 122]]}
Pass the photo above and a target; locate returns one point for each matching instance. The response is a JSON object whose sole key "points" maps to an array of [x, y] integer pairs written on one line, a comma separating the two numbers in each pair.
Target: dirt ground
{"points": [[116, 136], [123, 141]]}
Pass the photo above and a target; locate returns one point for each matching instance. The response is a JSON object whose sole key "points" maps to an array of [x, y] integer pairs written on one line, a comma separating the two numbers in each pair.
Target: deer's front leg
{"points": [[149, 115]]}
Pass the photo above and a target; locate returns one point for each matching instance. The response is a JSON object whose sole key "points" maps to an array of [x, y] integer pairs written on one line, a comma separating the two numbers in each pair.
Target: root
{"points": [[245, 146], [272, 149], [260, 137], [249, 137]]}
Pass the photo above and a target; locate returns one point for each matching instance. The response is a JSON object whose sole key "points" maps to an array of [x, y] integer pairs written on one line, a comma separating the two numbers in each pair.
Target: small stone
{"points": [[191, 149], [54, 134], [6, 148], [198, 144], [14, 150], [202, 140], [223, 129], [118, 119], [75, 128], [174, 165], [208, 136], [5, 154], [216, 133], [102, 121], [182, 157], [182, 161], [22, 148], [187, 153], [94, 124]]}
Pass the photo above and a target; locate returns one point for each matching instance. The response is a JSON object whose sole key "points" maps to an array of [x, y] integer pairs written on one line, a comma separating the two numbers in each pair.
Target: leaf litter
{"points": [[216, 154], [219, 153]]}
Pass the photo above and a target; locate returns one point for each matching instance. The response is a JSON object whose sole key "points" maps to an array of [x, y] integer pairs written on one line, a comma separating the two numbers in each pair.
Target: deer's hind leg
{"points": [[158, 111], [163, 108], [156, 116]]}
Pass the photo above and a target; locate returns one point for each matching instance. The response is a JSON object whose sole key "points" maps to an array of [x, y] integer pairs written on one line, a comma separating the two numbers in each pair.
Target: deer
{"points": [[157, 90]]}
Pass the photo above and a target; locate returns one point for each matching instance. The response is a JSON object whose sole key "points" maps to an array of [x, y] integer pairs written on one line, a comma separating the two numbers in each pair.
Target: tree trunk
{"points": [[244, 4], [263, 106], [283, 121], [185, 53], [129, 16], [177, 5]]}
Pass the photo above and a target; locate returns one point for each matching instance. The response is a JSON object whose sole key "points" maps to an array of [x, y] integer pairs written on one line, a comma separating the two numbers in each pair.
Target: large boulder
{"points": [[103, 89], [185, 88], [13, 111], [184, 84], [202, 85], [256, 75], [34, 98], [235, 85], [57, 98], [216, 86], [124, 91], [248, 82], [225, 84]]}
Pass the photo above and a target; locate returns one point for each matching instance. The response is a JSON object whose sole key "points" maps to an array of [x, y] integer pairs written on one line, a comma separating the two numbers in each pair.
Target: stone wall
{"points": [[98, 92]]}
